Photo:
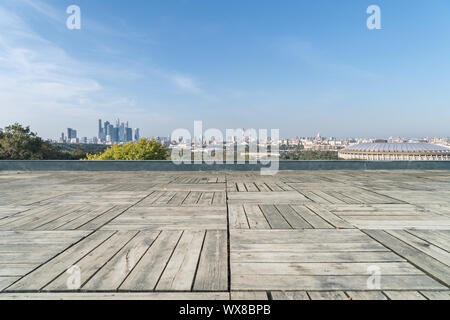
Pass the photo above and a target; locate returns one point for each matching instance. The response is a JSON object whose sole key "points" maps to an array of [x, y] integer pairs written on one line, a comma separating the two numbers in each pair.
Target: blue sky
{"points": [[301, 66]]}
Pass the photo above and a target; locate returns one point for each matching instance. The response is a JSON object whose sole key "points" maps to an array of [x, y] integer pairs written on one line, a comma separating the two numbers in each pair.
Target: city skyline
{"points": [[302, 67], [121, 132]]}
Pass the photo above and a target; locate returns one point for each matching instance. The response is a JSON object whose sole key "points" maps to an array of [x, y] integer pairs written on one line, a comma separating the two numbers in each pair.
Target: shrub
{"points": [[144, 149]]}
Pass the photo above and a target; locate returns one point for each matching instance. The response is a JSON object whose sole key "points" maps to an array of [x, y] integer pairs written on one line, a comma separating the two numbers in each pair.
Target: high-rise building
{"points": [[122, 132], [100, 130], [128, 133], [136, 134], [118, 133], [71, 134]]}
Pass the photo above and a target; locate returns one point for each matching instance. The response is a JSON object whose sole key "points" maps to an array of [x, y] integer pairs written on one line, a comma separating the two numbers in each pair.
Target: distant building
{"points": [[136, 134], [71, 134], [395, 151]]}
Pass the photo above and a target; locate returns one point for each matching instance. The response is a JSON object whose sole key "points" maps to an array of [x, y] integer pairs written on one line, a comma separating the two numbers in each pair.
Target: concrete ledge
{"points": [[61, 165]]}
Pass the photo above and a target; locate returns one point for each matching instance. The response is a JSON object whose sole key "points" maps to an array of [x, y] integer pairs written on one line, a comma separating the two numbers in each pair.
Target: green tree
{"points": [[20, 143], [144, 149]]}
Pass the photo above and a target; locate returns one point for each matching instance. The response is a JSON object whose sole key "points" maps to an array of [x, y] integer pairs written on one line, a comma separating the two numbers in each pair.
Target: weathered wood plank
{"points": [[180, 270], [345, 283], [313, 219], [114, 272], [50, 270], [93, 261], [321, 268], [329, 217], [256, 219], [418, 258], [404, 295], [147, 272], [212, 272], [237, 218], [327, 295], [292, 217], [289, 295], [274, 217], [117, 296], [430, 249], [436, 295], [366, 295], [248, 295]]}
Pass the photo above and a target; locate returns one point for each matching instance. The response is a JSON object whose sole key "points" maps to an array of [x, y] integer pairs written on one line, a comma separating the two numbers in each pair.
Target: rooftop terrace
{"points": [[225, 235]]}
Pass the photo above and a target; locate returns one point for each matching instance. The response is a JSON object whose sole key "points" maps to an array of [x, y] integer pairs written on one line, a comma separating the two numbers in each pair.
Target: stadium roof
{"points": [[398, 147]]}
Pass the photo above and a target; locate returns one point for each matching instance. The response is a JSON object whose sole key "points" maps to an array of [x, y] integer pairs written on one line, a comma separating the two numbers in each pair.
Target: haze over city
{"points": [[302, 67]]}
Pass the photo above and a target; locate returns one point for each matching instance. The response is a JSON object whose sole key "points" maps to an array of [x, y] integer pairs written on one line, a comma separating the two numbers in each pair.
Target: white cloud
{"points": [[186, 83]]}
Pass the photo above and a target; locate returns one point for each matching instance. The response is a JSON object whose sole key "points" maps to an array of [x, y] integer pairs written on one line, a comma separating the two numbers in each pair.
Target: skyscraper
{"points": [[122, 132], [100, 130], [136, 134], [71, 134]]}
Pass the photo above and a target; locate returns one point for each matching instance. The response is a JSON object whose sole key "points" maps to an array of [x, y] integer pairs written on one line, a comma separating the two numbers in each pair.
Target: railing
{"points": [[157, 165]]}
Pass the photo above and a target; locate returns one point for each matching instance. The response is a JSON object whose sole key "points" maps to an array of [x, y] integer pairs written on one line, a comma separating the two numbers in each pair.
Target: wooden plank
{"points": [[117, 296], [345, 283], [313, 219], [418, 258], [329, 217], [178, 198], [12, 270], [192, 198], [58, 265], [106, 217], [93, 261], [180, 271], [7, 281], [251, 187], [256, 219], [26, 257], [327, 295], [292, 217], [436, 295], [262, 187], [319, 268], [327, 197], [404, 295], [433, 237], [324, 246], [248, 295], [212, 272], [147, 272], [114, 272], [366, 295], [237, 218], [430, 249], [282, 197], [243, 236], [219, 199], [313, 197], [206, 199], [289, 295], [274, 256], [275, 219]]}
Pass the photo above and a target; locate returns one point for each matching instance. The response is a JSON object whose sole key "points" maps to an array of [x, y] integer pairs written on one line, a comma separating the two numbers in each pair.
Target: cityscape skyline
{"points": [[119, 133], [301, 67]]}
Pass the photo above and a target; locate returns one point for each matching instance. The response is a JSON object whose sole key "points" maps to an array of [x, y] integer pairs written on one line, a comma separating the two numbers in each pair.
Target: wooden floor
{"points": [[215, 235]]}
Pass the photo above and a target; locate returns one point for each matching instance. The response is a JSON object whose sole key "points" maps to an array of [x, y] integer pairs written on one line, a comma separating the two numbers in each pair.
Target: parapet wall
{"points": [[61, 165]]}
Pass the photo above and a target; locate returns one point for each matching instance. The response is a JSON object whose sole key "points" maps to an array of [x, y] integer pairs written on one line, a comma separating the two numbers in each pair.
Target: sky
{"points": [[301, 66]]}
